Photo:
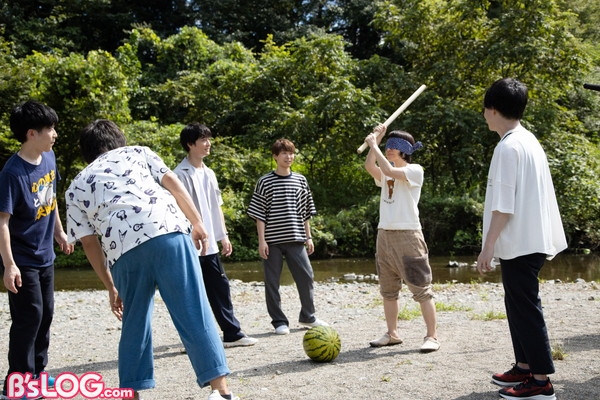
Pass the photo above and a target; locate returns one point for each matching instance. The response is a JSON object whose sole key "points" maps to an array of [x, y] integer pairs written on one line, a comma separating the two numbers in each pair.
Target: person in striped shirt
{"points": [[282, 206]]}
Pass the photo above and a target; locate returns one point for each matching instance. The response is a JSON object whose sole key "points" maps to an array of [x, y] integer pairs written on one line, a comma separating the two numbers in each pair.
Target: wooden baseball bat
{"points": [[396, 113]]}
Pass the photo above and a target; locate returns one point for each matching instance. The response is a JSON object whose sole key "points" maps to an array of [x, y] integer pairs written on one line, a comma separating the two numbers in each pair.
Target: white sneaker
{"points": [[430, 344], [215, 395], [316, 322], [282, 330], [245, 341]]}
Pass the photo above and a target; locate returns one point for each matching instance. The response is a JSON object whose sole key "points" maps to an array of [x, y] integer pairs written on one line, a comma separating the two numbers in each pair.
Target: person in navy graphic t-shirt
{"points": [[29, 224]]}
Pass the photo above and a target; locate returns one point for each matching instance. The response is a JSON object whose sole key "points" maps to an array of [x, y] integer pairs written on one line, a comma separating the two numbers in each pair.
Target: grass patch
{"points": [[489, 316], [474, 282], [378, 302], [558, 352], [409, 313], [441, 306]]}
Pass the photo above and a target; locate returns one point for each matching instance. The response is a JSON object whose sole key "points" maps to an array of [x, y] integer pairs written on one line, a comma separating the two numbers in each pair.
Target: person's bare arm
{"points": [[310, 245], [263, 247], [12, 273], [497, 224], [95, 255], [373, 140], [61, 237], [227, 248]]}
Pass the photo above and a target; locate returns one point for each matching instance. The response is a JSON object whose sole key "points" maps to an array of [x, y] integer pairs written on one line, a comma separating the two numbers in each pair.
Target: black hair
{"points": [[508, 96], [31, 115], [98, 137], [191, 133]]}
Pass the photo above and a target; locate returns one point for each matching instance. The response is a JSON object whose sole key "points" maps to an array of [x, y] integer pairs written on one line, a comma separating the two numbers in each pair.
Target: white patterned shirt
{"points": [[119, 197]]}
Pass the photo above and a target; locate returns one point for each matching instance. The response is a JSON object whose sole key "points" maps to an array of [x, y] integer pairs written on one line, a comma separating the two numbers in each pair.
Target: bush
{"points": [[354, 230], [451, 225]]}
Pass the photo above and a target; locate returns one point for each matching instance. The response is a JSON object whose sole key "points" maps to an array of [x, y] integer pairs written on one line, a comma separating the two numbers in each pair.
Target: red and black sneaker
{"points": [[529, 389], [512, 377]]}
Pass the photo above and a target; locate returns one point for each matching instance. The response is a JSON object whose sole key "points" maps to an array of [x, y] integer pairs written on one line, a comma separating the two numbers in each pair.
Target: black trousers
{"points": [[524, 311], [219, 297], [31, 311]]}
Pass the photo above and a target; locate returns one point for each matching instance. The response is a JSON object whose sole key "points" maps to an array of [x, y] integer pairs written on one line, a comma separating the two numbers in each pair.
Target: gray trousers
{"points": [[299, 264]]}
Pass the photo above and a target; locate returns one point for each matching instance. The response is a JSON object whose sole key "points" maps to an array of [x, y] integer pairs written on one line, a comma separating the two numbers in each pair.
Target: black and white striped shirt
{"points": [[283, 203]]}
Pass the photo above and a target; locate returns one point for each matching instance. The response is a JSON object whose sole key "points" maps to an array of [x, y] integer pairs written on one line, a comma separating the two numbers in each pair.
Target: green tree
{"points": [[86, 25], [79, 88], [458, 48], [8, 96], [575, 163]]}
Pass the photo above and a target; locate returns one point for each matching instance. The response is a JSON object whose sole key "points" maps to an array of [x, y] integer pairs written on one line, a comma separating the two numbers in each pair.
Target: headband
{"points": [[402, 145]]}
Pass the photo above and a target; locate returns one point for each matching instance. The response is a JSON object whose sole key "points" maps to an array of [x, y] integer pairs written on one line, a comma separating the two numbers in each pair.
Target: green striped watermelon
{"points": [[322, 343]]}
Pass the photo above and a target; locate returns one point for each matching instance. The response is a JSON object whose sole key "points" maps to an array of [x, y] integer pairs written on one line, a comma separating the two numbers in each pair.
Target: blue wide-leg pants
{"points": [[169, 263]]}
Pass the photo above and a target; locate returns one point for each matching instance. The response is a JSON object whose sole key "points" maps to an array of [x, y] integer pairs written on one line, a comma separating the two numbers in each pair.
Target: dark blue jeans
{"points": [[31, 312], [524, 311], [219, 297]]}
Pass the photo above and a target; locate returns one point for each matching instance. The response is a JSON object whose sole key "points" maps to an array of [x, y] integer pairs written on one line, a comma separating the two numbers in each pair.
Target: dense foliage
{"points": [[321, 74]]}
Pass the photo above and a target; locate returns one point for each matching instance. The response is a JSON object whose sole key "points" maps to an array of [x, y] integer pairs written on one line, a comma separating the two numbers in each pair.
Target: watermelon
{"points": [[322, 343]]}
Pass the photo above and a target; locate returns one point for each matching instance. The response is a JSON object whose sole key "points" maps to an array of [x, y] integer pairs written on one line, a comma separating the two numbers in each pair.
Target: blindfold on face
{"points": [[402, 145]]}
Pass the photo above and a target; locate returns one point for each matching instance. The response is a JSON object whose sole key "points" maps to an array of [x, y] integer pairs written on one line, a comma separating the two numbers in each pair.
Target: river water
{"points": [[566, 267]]}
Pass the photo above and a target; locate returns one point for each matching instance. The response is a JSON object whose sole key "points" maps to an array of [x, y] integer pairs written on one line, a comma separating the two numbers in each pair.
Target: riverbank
{"points": [[473, 334]]}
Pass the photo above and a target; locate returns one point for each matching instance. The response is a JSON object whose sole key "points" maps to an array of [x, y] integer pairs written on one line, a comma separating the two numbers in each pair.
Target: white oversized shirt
{"points": [[398, 205], [520, 184], [203, 187], [119, 197]]}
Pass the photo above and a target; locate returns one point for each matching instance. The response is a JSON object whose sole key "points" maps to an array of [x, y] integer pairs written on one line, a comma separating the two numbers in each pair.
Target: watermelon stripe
{"points": [[322, 343]]}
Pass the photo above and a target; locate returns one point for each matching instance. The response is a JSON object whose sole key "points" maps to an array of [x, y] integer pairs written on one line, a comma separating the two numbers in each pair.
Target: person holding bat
{"points": [[401, 251]]}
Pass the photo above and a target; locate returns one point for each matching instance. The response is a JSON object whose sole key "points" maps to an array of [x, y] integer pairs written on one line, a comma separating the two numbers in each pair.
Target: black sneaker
{"points": [[529, 389], [512, 377]]}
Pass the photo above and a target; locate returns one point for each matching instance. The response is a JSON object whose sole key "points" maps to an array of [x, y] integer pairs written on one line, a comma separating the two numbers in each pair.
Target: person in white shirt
{"points": [[201, 182], [401, 253], [521, 228]]}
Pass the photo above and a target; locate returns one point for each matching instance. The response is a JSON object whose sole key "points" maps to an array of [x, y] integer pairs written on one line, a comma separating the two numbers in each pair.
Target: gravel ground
{"points": [[472, 330]]}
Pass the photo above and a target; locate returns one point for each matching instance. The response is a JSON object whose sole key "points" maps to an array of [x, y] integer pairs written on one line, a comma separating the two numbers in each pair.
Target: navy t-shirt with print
{"points": [[28, 194]]}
